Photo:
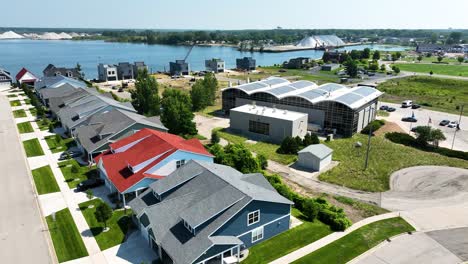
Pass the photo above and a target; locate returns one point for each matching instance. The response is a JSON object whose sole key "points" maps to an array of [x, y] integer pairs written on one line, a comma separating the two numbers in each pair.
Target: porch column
{"points": [[124, 203], [238, 253]]}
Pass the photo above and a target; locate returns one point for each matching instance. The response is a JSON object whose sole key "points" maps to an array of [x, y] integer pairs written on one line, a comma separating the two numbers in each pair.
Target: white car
{"points": [[453, 124]]}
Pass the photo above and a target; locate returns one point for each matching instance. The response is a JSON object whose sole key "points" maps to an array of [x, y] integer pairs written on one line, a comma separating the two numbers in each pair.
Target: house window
{"points": [[257, 234], [180, 163], [259, 127], [253, 217]]}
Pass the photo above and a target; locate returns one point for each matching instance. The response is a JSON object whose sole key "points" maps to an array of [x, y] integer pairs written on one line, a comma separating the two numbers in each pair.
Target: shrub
{"points": [[215, 137], [375, 125], [289, 145], [310, 139], [75, 168], [262, 161], [51, 127], [310, 209], [58, 138]]}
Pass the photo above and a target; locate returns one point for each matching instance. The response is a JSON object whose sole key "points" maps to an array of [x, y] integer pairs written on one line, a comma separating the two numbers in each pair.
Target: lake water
{"points": [[37, 54]]}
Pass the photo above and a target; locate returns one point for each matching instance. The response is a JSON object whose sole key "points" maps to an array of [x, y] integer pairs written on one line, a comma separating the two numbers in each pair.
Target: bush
{"points": [[289, 146], [75, 168], [215, 137], [375, 125], [310, 209], [310, 139], [262, 161], [336, 220]]}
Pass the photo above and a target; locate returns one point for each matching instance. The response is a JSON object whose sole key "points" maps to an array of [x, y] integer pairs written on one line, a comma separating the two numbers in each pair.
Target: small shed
{"points": [[315, 157]]}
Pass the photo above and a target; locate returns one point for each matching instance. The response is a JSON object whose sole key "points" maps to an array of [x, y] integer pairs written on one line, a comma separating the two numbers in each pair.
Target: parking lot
{"points": [[423, 115]]}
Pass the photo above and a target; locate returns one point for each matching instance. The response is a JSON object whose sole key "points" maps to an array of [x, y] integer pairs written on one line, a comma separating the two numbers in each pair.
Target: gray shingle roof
{"points": [[205, 195], [319, 150], [64, 90]]}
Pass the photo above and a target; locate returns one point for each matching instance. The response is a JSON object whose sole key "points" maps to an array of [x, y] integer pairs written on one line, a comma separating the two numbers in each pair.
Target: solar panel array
{"points": [[252, 86], [275, 81], [282, 90], [349, 98], [302, 84], [364, 91]]}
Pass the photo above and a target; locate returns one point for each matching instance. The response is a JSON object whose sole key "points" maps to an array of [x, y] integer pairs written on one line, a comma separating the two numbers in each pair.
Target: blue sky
{"points": [[236, 14]]}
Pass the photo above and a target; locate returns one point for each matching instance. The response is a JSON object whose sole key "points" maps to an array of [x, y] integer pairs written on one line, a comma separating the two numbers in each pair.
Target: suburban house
{"points": [[107, 72], [98, 131], [73, 111], [246, 64], [214, 65], [55, 82], [136, 161], [5, 78], [65, 90], [51, 70], [139, 66], [25, 76], [209, 213], [126, 70], [179, 67]]}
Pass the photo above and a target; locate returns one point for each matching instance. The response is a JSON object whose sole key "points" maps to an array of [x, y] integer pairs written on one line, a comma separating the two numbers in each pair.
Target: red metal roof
{"points": [[22, 72], [151, 144]]}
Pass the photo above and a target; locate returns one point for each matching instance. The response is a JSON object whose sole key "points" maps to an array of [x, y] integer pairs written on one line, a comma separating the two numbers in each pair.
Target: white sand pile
{"points": [[64, 35], [50, 36], [10, 35]]}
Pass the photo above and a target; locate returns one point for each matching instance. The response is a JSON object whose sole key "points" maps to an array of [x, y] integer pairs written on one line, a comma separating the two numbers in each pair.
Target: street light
{"points": [[458, 126]]}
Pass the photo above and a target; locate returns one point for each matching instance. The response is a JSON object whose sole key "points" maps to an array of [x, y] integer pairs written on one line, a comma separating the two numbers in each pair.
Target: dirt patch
{"points": [[389, 127]]}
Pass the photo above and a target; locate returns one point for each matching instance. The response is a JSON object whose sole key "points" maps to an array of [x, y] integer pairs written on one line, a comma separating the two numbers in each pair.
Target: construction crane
{"points": [[189, 51]]}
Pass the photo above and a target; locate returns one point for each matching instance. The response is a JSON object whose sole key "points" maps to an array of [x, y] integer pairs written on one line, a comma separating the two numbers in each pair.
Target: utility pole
{"points": [[458, 125]]}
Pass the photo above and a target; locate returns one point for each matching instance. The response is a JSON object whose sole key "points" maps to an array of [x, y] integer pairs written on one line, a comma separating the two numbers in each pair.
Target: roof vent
{"points": [[285, 111]]}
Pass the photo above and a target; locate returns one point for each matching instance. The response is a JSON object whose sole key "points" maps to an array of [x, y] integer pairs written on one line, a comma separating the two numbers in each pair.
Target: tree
{"points": [[262, 161], [355, 54], [89, 194], [373, 66], [75, 168], [145, 96], [79, 70], [431, 73], [426, 134], [215, 137], [289, 145], [310, 209], [396, 56], [241, 158], [440, 58], [419, 58], [177, 113], [351, 68], [211, 86], [198, 96], [310, 139], [396, 70], [365, 53], [460, 59], [376, 55], [326, 57], [382, 67], [58, 138], [103, 213]]}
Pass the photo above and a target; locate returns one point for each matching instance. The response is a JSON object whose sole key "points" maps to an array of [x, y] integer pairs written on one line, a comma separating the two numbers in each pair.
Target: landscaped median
{"points": [[25, 127], [357, 242], [57, 144], [74, 173], [118, 225], [44, 180], [65, 236], [15, 103], [33, 148], [19, 113]]}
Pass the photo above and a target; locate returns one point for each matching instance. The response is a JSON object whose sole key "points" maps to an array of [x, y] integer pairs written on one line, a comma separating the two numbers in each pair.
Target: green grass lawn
{"points": [[431, 92], [19, 113], [267, 149], [118, 225], [365, 209], [33, 148], [12, 95], [27, 101], [288, 241], [357, 242], [25, 127], [33, 111], [15, 103], [65, 236], [59, 146], [385, 157], [45, 180], [43, 124], [443, 69], [73, 179]]}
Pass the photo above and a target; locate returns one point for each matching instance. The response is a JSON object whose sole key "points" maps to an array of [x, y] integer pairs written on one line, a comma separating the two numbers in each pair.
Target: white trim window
{"points": [[257, 234], [253, 217], [180, 163]]}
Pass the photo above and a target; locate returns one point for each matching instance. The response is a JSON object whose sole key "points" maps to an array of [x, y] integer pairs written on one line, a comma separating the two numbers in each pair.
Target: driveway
{"points": [[423, 115], [23, 238]]}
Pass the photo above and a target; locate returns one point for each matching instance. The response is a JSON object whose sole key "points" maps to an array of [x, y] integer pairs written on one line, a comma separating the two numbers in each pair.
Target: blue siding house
{"points": [[209, 213]]}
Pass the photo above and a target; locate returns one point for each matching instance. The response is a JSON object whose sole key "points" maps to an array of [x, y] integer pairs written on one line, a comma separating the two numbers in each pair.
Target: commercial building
{"points": [[440, 48], [297, 63], [246, 64], [330, 67], [332, 107], [214, 65], [51, 71], [126, 70], [209, 213], [5, 78], [267, 124], [26, 77], [315, 157], [179, 67], [107, 72]]}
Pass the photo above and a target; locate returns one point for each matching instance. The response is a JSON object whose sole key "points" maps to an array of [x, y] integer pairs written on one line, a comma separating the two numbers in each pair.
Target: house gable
{"points": [[169, 164]]}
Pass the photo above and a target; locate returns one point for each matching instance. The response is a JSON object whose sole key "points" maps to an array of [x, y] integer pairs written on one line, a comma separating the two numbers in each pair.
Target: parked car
{"points": [[114, 87], [391, 109], [406, 103], [415, 106], [120, 90], [71, 154], [453, 124], [444, 122], [89, 183], [384, 107], [409, 119]]}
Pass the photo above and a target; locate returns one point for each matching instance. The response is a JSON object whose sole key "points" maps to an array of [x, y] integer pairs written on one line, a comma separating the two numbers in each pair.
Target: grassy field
{"points": [[12, 95], [385, 158], [19, 113], [65, 236], [73, 179], [15, 103], [45, 180], [365, 209], [443, 69], [288, 241], [25, 127], [357, 242], [433, 93], [267, 149], [33, 148], [118, 225], [59, 146]]}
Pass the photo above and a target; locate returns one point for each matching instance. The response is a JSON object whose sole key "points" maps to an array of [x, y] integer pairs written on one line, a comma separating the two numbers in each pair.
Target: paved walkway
{"points": [[23, 235], [293, 256]]}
